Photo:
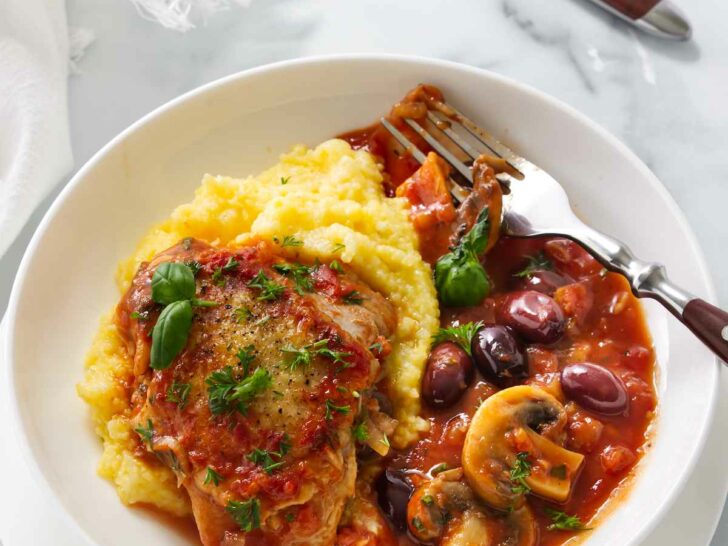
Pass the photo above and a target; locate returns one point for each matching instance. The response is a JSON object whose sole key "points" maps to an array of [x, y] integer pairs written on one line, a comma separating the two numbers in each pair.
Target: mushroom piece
{"points": [[513, 447], [446, 511], [475, 528]]}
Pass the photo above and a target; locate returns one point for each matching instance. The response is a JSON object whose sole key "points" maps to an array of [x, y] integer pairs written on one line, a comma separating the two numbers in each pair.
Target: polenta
{"points": [[331, 199]]}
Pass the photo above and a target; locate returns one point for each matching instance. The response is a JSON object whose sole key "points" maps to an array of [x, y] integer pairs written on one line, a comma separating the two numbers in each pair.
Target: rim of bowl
{"points": [[19, 281]]}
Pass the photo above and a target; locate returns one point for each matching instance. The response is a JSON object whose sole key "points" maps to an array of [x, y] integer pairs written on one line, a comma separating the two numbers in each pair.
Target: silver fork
{"points": [[536, 204]]}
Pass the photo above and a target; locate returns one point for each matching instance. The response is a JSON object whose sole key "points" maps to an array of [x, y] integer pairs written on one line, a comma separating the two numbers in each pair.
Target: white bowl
{"points": [[239, 125]]}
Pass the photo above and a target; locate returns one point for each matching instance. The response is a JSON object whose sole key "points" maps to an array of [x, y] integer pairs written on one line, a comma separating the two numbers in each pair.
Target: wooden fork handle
{"points": [[710, 324]]}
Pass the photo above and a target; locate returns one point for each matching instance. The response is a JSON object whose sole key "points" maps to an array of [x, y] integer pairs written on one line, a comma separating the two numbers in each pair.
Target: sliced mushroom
{"points": [[446, 511], [520, 425], [476, 528]]}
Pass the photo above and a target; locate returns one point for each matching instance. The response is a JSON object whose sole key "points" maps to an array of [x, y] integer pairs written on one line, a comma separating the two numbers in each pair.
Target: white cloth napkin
{"points": [[35, 149]]}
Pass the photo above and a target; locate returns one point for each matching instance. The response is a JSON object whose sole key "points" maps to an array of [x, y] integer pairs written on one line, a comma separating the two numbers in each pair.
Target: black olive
{"points": [[498, 355], [448, 373]]}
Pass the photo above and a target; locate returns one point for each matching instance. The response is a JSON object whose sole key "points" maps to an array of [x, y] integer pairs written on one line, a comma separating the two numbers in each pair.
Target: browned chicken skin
{"points": [[278, 468]]}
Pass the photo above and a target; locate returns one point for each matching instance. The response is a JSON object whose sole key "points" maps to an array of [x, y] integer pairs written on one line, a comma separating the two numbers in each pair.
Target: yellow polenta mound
{"points": [[330, 198]]}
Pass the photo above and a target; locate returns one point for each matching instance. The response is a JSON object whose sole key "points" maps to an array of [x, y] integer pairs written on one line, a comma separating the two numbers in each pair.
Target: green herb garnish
{"points": [[331, 407], [212, 477], [170, 333], [460, 278], [241, 314], [538, 262], [172, 282], [285, 180], [270, 460], [439, 468], [269, 290], [561, 521], [360, 432], [520, 470], [226, 394], [246, 355], [146, 433], [230, 265], [194, 266], [417, 524], [178, 393], [462, 335], [288, 240], [301, 275], [245, 513], [304, 355], [428, 500], [338, 247], [336, 266]]}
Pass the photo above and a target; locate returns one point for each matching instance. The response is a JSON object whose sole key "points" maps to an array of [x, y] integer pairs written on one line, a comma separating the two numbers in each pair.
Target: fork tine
{"points": [[458, 192], [443, 124], [461, 167], [404, 141], [516, 161]]}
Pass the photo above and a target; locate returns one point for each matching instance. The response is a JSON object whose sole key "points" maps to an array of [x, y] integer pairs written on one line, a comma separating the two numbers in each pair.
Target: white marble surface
{"points": [[666, 101]]}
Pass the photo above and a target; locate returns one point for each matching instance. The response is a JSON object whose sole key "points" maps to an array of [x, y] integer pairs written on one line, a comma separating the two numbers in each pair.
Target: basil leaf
{"points": [[172, 282], [170, 333], [460, 279]]}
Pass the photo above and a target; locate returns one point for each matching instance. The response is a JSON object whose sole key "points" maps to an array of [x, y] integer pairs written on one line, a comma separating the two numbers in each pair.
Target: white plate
{"points": [[239, 125]]}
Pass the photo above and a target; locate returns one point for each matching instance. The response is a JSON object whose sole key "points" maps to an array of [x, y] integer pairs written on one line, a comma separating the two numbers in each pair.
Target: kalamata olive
{"points": [[393, 493], [498, 355], [448, 373], [533, 315], [543, 281], [594, 388]]}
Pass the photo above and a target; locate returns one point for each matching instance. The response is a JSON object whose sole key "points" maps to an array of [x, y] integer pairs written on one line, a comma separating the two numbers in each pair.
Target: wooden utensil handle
{"points": [[710, 324], [634, 9]]}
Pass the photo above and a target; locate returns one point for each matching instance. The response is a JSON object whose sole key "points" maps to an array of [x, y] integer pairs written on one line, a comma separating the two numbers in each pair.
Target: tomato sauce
{"points": [[605, 326]]}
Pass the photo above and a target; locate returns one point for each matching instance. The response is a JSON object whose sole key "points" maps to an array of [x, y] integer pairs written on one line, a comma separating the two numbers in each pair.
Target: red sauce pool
{"points": [[612, 334]]}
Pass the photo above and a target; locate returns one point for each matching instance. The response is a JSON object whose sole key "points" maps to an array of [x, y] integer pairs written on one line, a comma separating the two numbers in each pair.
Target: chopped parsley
{"points": [[338, 247], [146, 433], [561, 521], [428, 500], [269, 290], [285, 180], [462, 335], [417, 524], [376, 347], [178, 393], [212, 477], [241, 314], [301, 275], [336, 266], [136, 315], [245, 513], [288, 240], [520, 470], [352, 298], [538, 262], [304, 356], [194, 266], [217, 277], [231, 264], [360, 432], [331, 407], [226, 394], [246, 355]]}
